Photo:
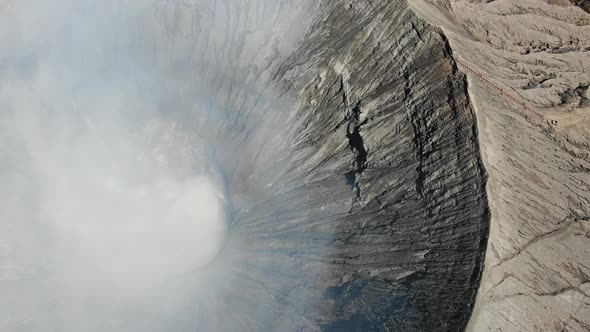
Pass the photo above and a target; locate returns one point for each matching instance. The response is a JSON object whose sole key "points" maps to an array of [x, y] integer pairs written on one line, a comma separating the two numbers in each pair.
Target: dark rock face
{"points": [[584, 4], [383, 100], [352, 170]]}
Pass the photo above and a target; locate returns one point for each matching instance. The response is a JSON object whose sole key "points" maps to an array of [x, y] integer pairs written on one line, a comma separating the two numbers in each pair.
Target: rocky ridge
{"points": [[537, 267]]}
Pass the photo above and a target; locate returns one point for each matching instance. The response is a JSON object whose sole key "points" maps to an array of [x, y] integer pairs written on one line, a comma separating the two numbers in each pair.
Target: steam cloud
{"points": [[106, 194]]}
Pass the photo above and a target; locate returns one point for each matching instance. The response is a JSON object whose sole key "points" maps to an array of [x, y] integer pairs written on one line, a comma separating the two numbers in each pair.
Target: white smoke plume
{"points": [[104, 196]]}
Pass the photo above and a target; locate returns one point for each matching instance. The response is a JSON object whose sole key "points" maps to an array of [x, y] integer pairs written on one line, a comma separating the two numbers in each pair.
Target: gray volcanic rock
{"points": [[340, 134], [385, 108]]}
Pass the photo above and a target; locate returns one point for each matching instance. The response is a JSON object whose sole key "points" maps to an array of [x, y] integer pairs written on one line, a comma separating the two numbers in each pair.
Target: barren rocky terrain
{"points": [[537, 263], [419, 165]]}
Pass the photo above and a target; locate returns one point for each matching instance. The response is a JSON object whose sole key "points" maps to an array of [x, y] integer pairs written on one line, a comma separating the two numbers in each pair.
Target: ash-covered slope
{"points": [[340, 137], [537, 267]]}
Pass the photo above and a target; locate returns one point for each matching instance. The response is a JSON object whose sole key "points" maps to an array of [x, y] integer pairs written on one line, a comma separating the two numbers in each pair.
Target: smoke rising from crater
{"points": [[109, 182]]}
